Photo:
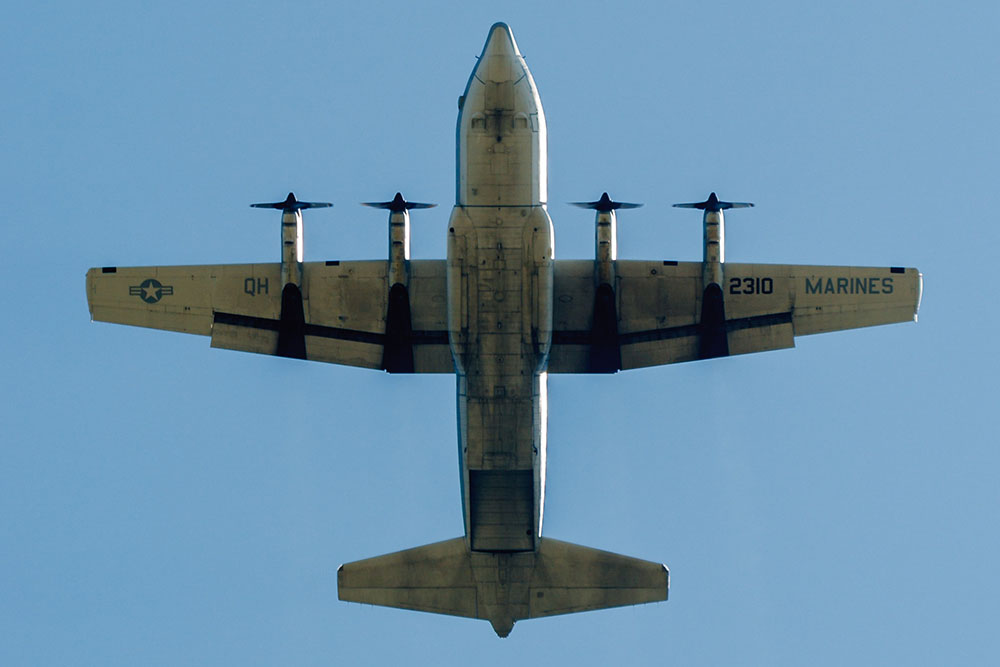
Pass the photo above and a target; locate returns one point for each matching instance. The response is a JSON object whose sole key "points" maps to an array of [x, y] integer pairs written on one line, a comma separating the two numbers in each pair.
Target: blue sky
{"points": [[165, 503]]}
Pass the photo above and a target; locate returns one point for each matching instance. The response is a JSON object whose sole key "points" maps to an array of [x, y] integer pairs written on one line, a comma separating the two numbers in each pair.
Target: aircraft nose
{"points": [[500, 42], [499, 61]]}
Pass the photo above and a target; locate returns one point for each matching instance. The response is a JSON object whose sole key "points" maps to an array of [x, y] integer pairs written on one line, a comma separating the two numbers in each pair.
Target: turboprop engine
{"points": [[291, 326], [713, 339], [605, 355], [397, 354]]}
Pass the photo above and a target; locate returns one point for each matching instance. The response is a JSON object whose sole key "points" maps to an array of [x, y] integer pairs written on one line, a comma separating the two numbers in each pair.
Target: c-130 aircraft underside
{"points": [[501, 314]]}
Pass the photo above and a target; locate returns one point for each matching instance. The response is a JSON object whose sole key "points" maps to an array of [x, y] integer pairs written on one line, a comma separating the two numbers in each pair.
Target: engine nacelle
{"points": [[713, 336], [397, 353], [291, 325], [605, 351]]}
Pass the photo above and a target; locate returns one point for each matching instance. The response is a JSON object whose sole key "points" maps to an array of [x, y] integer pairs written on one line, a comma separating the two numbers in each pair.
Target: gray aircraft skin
{"points": [[501, 314]]}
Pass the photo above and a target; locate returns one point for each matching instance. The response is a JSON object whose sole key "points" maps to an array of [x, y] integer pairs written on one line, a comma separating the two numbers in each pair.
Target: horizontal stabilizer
{"points": [[569, 578], [435, 577], [447, 578]]}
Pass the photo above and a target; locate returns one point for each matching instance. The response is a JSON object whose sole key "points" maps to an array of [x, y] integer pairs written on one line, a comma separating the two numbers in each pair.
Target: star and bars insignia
{"points": [[151, 290]]}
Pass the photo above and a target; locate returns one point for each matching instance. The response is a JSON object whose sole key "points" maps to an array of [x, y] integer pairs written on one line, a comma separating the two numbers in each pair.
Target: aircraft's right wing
{"points": [[659, 308], [344, 307]]}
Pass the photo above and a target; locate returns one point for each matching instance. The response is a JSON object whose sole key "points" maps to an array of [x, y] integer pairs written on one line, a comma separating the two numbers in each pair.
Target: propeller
{"points": [[397, 205], [713, 204], [293, 204], [604, 204]]}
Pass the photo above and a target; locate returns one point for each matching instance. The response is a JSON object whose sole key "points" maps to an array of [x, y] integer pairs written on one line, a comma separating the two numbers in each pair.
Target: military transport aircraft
{"points": [[501, 314]]}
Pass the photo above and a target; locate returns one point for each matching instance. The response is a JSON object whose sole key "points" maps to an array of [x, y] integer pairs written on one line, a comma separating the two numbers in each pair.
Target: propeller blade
{"points": [[398, 204], [714, 204], [293, 204], [604, 204]]}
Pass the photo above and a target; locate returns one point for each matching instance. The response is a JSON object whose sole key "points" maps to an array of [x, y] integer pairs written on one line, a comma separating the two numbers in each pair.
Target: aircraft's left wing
{"points": [[344, 309], [660, 315]]}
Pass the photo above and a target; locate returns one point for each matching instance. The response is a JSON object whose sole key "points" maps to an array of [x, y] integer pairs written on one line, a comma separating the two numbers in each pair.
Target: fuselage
{"points": [[500, 267]]}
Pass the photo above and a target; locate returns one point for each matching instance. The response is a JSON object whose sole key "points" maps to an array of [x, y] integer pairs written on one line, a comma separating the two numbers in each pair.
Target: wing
{"points": [[345, 309], [659, 308]]}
